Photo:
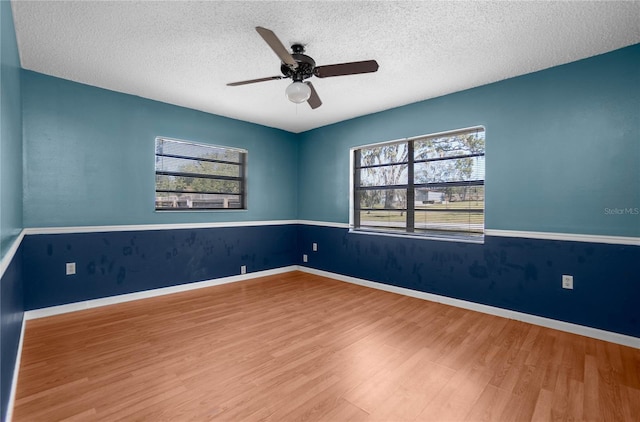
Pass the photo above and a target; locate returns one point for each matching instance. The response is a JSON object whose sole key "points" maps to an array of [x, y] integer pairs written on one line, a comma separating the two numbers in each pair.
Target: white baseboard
{"points": [[16, 371], [111, 300], [492, 310]]}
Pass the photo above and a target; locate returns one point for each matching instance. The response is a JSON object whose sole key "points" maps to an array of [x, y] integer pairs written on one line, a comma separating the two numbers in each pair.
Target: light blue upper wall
{"points": [[562, 145], [10, 132], [563, 152], [90, 156]]}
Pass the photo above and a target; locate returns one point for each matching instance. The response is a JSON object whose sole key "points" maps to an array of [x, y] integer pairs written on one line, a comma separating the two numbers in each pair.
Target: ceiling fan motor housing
{"points": [[305, 65]]}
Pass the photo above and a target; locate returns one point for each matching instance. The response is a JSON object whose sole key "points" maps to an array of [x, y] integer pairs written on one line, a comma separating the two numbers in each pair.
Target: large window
{"points": [[192, 176], [430, 186]]}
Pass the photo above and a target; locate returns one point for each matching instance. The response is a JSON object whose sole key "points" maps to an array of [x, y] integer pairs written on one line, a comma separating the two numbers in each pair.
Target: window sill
{"points": [[204, 210], [461, 239]]}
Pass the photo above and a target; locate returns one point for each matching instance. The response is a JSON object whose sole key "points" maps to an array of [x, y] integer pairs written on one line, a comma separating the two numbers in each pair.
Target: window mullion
{"points": [[356, 183], [411, 196], [243, 175]]}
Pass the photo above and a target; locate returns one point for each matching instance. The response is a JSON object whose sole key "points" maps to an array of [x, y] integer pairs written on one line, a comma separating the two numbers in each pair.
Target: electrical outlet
{"points": [[315, 247], [567, 281], [243, 269], [305, 258], [71, 268]]}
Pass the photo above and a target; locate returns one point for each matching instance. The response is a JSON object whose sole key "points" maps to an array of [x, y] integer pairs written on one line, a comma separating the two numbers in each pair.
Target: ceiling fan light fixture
{"points": [[298, 92]]}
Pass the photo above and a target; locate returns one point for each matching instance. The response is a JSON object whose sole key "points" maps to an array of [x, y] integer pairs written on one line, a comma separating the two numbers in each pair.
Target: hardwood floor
{"points": [[301, 347]]}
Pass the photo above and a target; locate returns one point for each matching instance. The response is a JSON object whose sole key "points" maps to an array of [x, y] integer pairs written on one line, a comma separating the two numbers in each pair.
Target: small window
{"points": [[427, 186], [192, 176]]}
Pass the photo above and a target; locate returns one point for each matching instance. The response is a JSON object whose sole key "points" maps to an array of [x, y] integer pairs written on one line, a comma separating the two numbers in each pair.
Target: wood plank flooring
{"points": [[301, 347]]}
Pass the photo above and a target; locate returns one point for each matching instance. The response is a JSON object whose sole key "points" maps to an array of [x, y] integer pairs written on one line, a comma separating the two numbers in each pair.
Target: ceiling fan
{"points": [[298, 67]]}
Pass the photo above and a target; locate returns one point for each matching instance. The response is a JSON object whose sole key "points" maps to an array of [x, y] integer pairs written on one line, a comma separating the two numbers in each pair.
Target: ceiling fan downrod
{"points": [[305, 67]]}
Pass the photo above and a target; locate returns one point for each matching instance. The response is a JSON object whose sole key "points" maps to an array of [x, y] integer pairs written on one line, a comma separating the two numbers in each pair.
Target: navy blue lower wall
{"points": [[11, 313], [120, 262], [512, 273]]}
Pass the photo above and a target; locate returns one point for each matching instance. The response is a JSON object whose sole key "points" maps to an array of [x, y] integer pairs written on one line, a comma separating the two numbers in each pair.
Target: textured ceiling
{"points": [[185, 52]]}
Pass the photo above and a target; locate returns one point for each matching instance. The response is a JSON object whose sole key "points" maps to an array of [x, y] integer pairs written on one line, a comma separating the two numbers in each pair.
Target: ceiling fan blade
{"points": [[252, 81], [277, 46], [351, 68], [314, 101]]}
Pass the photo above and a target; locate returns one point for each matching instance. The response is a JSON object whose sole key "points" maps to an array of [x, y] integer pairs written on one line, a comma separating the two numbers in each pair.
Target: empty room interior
{"points": [[336, 211]]}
